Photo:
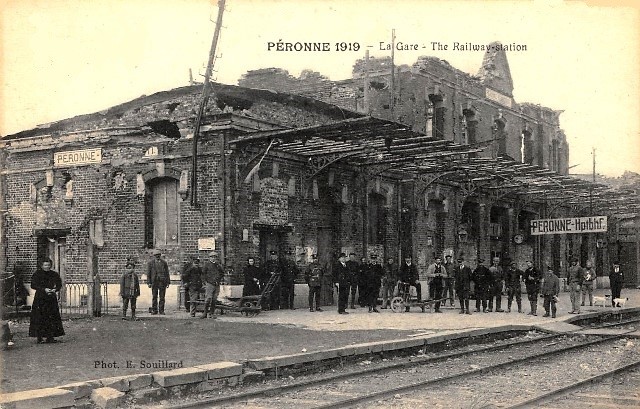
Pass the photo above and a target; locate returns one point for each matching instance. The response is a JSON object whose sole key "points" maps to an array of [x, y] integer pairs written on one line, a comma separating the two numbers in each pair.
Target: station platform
{"points": [[95, 349]]}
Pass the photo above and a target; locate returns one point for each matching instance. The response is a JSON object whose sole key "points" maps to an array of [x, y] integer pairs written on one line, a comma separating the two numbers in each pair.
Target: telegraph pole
{"points": [[393, 69], [203, 103]]}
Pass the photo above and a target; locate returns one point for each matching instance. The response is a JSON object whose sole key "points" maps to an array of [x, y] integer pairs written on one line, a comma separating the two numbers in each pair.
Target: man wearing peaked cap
{"points": [[158, 280], [463, 285], [289, 273], [341, 280], [373, 282]]}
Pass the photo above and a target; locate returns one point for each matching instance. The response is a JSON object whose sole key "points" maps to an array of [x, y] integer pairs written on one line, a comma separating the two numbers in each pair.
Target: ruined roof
{"points": [[181, 104]]}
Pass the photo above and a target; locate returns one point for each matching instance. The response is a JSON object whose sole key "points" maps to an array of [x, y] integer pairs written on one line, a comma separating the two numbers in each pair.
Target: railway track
{"points": [[398, 381]]}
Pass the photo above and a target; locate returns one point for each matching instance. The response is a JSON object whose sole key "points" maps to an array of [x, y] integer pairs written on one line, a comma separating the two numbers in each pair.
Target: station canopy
{"points": [[376, 147]]}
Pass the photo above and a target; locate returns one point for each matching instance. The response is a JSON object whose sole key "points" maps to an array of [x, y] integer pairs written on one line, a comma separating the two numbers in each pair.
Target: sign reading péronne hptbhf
{"points": [[593, 224], [75, 158]]}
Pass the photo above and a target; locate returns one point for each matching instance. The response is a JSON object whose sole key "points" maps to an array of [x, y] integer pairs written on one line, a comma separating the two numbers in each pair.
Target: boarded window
{"points": [[163, 212]]}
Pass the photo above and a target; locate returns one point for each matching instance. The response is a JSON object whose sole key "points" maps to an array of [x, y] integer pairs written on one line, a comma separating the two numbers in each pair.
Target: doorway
{"points": [[54, 248]]}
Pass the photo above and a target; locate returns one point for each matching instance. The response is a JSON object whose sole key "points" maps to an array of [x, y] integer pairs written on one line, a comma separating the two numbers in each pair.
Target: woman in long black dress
{"points": [[45, 315], [252, 275]]}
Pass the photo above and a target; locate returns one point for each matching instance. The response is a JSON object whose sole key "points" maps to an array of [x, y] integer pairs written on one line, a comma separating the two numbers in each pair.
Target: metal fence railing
{"points": [[74, 300]]}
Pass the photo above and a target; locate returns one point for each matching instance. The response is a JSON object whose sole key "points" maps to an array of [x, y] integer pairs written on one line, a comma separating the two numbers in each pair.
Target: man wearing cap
{"points": [[374, 281], [574, 279], [363, 273], [354, 269], [588, 277], [436, 272], [550, 291], [532, 281], [462, 275], [212, 275], [341, 280], [192, 279], [289, 273], [495, 285], [388, 282], [313, 277], [158, 280], [513, 280], [273, 272], [408, 273], [616, 280], [481, 278], [449, 279]]}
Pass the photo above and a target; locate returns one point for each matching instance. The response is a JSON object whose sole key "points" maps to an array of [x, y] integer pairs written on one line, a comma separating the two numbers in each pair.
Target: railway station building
{"points": [[452, 166]]}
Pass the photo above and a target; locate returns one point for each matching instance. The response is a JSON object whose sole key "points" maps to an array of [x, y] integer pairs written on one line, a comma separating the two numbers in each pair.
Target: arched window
{"points": [[162, 213]]}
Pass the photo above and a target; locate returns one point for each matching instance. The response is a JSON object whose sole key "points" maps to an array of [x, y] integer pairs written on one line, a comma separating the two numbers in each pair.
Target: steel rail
{"points": [[346, 403], [276, 390], [556, 393]]}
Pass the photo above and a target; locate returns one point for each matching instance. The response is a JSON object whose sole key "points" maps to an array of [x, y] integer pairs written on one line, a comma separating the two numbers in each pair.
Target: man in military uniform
{"points": [[289, 273], [574, 278], [363, 273], [532, 282], [462, 276], [481, 278], [550, 291], [273, 270], [495, 285], [374, 281], [513, 280], [341, 280], [388, 282], [354, 268], [313, 277]]}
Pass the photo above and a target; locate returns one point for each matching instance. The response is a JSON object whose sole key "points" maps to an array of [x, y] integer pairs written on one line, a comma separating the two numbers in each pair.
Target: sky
{"points": [[61, 58]]}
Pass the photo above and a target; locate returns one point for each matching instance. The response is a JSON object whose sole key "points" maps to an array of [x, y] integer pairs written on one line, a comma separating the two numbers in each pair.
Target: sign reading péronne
{"points": [[75, 158], [593, 224]]}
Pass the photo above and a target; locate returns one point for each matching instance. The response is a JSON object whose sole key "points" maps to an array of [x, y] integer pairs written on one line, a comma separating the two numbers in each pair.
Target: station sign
{"points": [[592, 224], [76, 158], [206, 243]]}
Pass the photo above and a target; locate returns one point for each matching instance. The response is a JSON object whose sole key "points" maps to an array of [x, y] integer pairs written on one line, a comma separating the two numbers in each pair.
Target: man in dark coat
{"points": [[354, 269], [388, 282], [616, 280], [212, 276], [532, 282], [363, 272], [158, 280], [252, 275], [462, 275], [374, 281], [289, 273], [408, 273], [45, 315], [513, 279], [313, 277], [273, 271], [481, 278], [192, 279], [341, 280], [495, 285]]}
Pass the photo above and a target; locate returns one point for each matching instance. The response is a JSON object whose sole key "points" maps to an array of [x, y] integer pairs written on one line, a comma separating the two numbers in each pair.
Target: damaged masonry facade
{"points": [[450, 165]]}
